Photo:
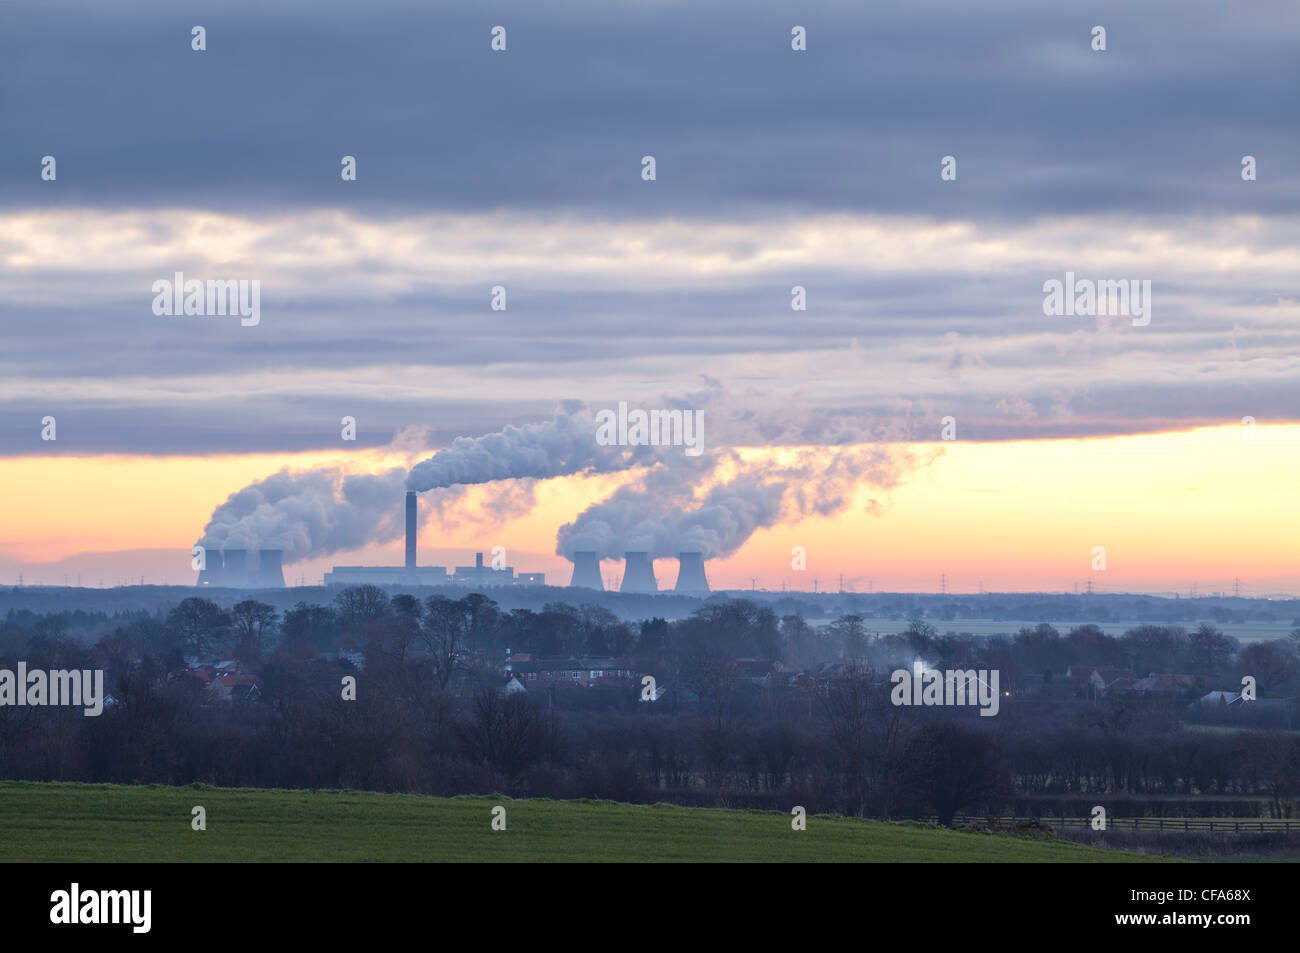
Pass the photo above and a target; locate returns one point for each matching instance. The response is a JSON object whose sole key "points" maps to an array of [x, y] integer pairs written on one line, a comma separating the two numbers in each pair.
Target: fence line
{"points": [[1224, 824]]}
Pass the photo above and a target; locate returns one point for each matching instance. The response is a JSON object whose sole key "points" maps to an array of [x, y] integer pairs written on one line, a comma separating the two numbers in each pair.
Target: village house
{"points": [[1217, 698], [234, 688], [220, 680], [763, 672], [1164, 684], [1099, 680], [532, 671]]}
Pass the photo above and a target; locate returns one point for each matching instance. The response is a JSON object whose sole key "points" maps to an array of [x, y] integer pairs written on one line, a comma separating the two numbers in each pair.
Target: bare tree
{"points": [[1274, 760], [713, 676], [400, 629], [253, 621], [851, 634], [1271, 663], [956, 768], [848, 702], [504, 732], [443, 631], [867, 735], [359, 607], [200, 623]]}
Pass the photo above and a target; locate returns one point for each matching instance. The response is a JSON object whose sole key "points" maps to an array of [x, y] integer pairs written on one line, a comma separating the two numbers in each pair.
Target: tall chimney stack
{"points": [[690, 573], [638, 574], [586, 572], [410, 529]]}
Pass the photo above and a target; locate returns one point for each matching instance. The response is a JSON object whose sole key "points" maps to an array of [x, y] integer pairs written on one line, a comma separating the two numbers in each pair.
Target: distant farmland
{"points": [[1243, 631], [113, 823]]}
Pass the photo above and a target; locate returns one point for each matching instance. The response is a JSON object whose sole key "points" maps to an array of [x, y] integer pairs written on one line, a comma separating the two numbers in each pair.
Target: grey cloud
{"points": [[1040, 124], [746, 132]]}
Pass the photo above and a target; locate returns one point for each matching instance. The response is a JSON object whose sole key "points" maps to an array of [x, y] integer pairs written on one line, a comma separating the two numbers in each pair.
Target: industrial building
{"points": [[408, 575], [586, 572], [262, 569], [639, 574], [240, 569], [478, 576], [690, 573], [386, 576]]}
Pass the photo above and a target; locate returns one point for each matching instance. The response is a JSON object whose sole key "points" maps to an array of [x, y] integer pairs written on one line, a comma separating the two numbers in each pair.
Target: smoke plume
{"points": [[672, 511], [309, 512], [564, 445], [711, 503], [324, 510]]}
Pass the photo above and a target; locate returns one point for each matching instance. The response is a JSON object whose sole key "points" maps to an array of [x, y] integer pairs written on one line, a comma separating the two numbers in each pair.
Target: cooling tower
{"points": [[586, 572], [270, 573], [410, 529], [638, 574], [690, 573], [211, 573], [235, 574]]}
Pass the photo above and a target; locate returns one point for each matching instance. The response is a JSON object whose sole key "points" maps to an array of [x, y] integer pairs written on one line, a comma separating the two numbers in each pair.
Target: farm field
{"points": [[1244, 631], [58, 822]]}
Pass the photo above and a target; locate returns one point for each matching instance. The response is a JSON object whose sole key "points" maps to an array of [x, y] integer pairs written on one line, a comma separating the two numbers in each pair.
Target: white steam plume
{"points": [[325, 510], [670, 513]]}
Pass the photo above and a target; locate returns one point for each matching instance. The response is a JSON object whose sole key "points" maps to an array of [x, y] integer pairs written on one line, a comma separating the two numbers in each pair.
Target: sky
{"points": [[774, 168]]}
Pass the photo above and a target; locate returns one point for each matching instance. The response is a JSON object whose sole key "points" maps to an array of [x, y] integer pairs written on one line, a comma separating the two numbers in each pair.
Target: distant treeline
{"points": [[431, 713], [367, 618], [948, 611]]}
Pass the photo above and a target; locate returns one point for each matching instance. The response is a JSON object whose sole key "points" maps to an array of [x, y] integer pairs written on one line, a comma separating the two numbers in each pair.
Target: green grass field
{"points": [[100, 822]]}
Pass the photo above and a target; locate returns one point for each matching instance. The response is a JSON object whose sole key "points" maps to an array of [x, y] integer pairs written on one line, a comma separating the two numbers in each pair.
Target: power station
{"points": [[240, 569], [639, 574], [261, 569], [409, 574], [690, 573], [478, 576], [586, 572]]}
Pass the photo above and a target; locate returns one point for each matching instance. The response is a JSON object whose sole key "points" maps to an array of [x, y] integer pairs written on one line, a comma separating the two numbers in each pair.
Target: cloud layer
{"points": [[522, 169]]}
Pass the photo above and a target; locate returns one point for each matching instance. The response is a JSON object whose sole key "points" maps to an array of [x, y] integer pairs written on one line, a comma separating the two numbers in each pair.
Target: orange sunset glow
{"points": [[1171, 510]]}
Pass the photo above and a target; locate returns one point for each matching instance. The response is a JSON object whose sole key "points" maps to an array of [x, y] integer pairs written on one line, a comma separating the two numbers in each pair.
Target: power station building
{"points": [[639, 573], [408, 575], [478, 575], [690, 573], [241, 569], [262, 569], [586, 572], [386, 576]]}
